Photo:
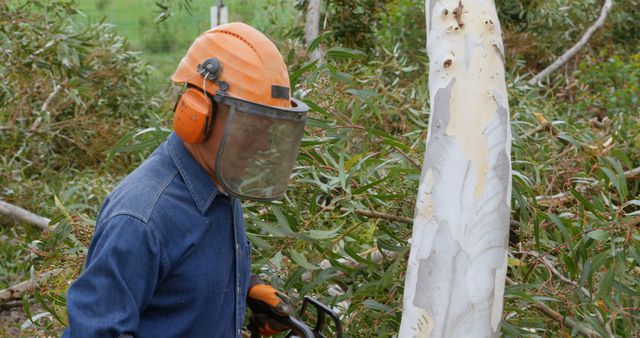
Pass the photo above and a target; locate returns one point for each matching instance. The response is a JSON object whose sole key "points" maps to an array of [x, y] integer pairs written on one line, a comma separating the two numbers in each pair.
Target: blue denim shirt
{"points": [[169, 257]]}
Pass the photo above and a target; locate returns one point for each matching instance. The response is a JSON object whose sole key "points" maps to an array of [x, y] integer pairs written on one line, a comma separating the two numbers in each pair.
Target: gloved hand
{"points": [[269, 308]]}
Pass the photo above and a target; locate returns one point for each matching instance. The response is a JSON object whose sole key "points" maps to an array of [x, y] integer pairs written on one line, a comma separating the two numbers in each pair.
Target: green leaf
{"points": [[362, 94], [599, 235], [316, 42], [586, 204], [314, 107], [375, 306], [299, 259], [49, 307], [317, 123], [277, 231], [322, 276], [280, 217], [259, 242], [345, 53], [620, 185], [323, 234], [295, 76], [368, 186], [566, 235], [606, 283], [390, 140]]}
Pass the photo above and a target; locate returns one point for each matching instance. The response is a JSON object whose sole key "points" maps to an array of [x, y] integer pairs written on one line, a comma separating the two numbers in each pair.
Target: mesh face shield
{"points": [[259, 147]]}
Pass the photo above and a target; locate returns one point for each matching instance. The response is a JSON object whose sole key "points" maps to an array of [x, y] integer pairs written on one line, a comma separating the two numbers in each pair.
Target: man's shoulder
{"points": [[139, 192]]}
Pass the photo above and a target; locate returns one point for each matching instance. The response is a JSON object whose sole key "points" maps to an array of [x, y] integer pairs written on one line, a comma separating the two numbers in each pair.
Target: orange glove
{"points": [[269, 308]]}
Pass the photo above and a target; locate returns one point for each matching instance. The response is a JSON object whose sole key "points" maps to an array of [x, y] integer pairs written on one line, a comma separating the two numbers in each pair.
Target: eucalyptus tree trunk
{"points": [[456, 271]]}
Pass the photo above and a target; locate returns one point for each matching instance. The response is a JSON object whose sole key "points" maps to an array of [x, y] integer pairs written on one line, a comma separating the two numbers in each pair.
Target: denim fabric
{"points": [[169, 257]]}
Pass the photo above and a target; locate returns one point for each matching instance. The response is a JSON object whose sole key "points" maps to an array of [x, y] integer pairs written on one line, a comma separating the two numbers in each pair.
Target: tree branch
{"points": [[576, 48], [374, 214], [20, 215]]}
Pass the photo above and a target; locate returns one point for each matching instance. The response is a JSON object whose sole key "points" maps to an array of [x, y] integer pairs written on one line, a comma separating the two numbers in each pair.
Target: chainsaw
{"points": [[302, 330]]}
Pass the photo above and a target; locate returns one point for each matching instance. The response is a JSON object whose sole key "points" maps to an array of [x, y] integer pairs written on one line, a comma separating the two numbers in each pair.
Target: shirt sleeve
{"points": [[121, 274]]}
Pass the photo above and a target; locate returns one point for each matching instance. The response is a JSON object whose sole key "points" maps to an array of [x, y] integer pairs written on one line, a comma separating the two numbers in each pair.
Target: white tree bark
{"points": [[457, 265], [312, 27]]}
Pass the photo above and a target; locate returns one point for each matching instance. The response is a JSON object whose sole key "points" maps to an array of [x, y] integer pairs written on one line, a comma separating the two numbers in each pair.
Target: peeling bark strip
{"points": [[457, 265]]}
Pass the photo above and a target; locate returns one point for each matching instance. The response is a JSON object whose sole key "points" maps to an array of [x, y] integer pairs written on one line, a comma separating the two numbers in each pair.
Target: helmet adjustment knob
{"points": [[210, 69]]}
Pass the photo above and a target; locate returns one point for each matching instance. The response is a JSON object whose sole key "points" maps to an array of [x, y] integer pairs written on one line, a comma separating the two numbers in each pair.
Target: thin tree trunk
{"points": [[312, 27], [457, 265]]}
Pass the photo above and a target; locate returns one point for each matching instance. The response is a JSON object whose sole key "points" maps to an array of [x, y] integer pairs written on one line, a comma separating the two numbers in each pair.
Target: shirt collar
{"points": [[201, 186]]}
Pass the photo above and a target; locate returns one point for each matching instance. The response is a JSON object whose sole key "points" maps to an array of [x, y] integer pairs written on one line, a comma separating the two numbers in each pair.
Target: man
{"points": [[170, 257]]}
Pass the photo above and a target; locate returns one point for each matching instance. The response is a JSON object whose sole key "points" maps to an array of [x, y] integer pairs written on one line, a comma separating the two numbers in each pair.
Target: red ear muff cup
{"points": [[193, 116]]}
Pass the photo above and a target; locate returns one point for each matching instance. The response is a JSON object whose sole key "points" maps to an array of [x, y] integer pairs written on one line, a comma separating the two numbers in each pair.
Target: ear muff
{"points": [[193, 116]]}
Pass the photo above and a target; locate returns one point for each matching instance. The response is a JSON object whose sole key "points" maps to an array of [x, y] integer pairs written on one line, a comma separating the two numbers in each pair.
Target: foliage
{"points": [[590, 236], [61, 85], [341, 232]]}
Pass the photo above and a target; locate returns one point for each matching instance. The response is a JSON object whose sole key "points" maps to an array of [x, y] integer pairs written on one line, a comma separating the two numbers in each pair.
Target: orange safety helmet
{"points": [[243, 62], [237, 66]]}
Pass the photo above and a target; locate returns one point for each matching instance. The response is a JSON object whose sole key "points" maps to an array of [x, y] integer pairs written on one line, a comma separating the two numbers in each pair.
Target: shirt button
{"points": [[238, 289], [237, 246]]}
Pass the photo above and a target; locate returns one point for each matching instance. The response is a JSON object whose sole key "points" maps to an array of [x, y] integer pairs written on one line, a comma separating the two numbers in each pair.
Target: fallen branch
{"points": [[20, 215], [576, 48], [562, 319], [16, 291], [564, 196]]}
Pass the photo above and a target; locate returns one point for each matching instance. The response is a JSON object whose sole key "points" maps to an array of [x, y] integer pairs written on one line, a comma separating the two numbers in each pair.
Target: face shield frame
{"points": [[297, 114]]}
